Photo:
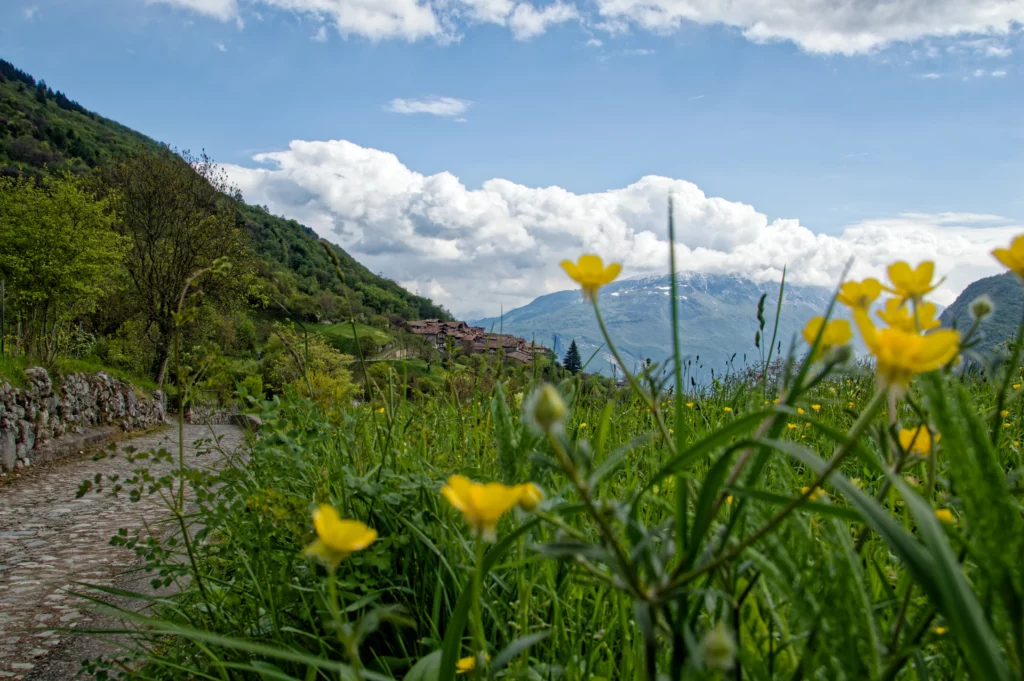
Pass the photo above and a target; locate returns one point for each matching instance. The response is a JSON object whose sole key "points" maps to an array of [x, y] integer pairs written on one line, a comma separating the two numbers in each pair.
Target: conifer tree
{"points": [[572, 361]]}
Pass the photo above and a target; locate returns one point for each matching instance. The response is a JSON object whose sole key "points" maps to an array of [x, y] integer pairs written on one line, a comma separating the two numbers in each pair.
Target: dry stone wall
{"points": [[33, 416]]}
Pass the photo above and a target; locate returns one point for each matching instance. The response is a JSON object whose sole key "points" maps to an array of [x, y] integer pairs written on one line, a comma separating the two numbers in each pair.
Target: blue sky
{"points": [[838, 123]]}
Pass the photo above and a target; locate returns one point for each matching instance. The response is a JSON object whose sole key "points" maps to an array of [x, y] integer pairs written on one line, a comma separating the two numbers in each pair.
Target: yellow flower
{"points": [[481, 504], [945, 515], [901, 355], [337, 537], [591, 274], [859, 295], [836, 332], [898, 314], [816, 407], [1012, 257], [468, 664], [850, 405], [1016, 443], [1007, 425], [940, 631], [799, 410], [728, 499], [530, 496], [917, 440], [818, 493], [726, 409], [582, 426], [910, 283], [690, 405], [381, 410], [1004, 413], [1016, 386], [791, 426]]}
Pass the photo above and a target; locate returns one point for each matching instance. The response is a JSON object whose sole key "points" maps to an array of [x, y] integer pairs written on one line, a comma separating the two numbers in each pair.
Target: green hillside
{"points": [[999, 328], [43, 131]]}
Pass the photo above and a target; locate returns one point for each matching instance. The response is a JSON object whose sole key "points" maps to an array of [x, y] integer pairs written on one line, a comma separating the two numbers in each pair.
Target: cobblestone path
{"points": [[49, 539]]}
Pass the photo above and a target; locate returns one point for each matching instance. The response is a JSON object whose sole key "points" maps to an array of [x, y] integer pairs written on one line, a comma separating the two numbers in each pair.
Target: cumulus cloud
{"points": [[477, 250], [409, 20], [827, 26], [436, 106]]}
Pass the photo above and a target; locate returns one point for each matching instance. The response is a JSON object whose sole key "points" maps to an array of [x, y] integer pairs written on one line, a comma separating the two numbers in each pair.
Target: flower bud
{"points": [[530, 497], [981, 307], [719, 648], [546, 408]]}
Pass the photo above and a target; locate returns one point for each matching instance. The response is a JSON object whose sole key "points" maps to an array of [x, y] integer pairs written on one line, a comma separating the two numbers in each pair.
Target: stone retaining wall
{"points": [[31, 417]]}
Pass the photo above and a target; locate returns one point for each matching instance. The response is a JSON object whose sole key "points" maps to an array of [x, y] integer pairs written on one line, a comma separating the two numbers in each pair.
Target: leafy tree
{"points": [[572, 361], [177, 213], [58, 250]]}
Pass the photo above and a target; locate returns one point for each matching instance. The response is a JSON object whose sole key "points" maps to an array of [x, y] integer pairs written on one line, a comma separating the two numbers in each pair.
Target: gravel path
{"points": [[49, 539]]}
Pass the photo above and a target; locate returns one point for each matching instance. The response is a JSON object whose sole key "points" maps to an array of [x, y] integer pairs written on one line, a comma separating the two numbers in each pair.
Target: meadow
{"points": [[815, 517]]}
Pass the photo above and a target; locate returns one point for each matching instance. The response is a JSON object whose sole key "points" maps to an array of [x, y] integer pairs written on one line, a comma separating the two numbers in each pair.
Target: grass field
{"points": [[338, 334], [817, 520]]}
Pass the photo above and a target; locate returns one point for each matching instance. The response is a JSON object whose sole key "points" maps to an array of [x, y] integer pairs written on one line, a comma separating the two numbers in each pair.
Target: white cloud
{"points": [[931, 76], [827, 26], [29, 12], [221, 46], [409, 20], [499, 245], [594, 42], [436, 106], [998, 74], [640, 52], [527, 21], [321, 34]]}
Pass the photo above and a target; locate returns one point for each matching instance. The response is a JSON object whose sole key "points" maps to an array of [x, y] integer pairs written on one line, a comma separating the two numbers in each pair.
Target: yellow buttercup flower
{"points": [[690, 405], [914, 283], [940, 631], [836, 332], [818, 493], [337, 537], [901, 355], [530, 496], [591, 274], [859, 295], [816, 407], [1004, 413], [917, 440], [1016, 386], [800, 410], [850, 405], [901, 315], [468, 664], [1012, 257], [792, 426], [726, 409], [481, 504], [582, 426], [381, 410], [945, 515]]}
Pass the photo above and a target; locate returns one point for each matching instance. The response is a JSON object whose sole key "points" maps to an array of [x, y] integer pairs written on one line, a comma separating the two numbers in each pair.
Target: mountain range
{"points": [[718, 320]]}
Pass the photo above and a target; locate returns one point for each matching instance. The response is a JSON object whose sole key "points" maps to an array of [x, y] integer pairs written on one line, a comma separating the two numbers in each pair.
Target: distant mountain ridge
{"points": [[1007, 296], [717, 320]]}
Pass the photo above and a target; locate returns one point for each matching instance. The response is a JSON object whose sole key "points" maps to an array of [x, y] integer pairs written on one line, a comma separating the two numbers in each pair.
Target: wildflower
{"points": [[690, 405], [816, 407], [1016, 443], [381, 410], [818, 493], [837, 332], [859, 295], [728, 500], [912, 284], [582, 426], [530, 496], [1012, 257], [544, 408], [917, 440], [800, 410], [981, 307], [468, 664], [591, 274], [337, 537], [1004, 413], [719, 648], [945, 515], [1016, 386], [857, 482], [727, 409], [850, 405], [941, 631], [791, 426], [1007, 425], [901, 355], [481, 504], [898, 314]]}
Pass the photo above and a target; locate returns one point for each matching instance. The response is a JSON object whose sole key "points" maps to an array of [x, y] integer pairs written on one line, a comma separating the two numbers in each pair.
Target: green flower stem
{"points": [[856, 431], [479, 640]]}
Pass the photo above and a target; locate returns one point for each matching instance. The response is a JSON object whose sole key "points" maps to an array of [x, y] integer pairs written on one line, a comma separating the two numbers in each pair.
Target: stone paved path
{"points": [[49, 539]]}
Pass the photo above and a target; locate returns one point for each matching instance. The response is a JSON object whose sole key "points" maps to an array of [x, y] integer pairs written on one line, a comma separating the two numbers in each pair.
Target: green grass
{"points": [[12, 370], [340, 335]]}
